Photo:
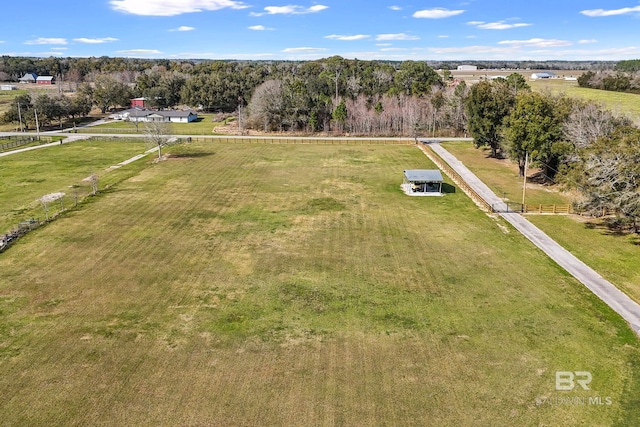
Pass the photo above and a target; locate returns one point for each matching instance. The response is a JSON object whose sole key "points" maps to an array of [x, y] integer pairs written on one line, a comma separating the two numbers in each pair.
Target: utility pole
{"points": [[37, 124], [20, 118], [524, 184]]}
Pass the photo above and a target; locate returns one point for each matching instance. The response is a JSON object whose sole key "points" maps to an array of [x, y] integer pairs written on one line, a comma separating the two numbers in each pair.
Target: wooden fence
{"points": [[299, 141], [456, 178]]}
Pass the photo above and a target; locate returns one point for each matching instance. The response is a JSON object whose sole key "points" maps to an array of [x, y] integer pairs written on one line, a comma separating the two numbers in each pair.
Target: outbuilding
{"points": [[422, 182], [467, 68], [139, 102], [45, 80], [8, 87], [28, 78]]}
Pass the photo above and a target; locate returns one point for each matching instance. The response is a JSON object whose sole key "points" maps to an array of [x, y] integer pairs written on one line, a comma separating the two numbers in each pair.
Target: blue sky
{"points": [[299, 30]]}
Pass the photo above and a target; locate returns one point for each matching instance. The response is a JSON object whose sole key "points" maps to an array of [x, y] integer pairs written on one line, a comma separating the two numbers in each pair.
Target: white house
{"points": [[467, 68], [144, 115], [543, 75], [8, 87]]}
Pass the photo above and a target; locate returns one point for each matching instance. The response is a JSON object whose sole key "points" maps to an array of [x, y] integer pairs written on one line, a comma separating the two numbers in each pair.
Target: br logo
{"points": [[566, 381]]}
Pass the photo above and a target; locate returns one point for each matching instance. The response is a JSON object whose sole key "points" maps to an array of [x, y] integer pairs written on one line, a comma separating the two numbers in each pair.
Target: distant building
{"points": [[544, 75], [45, 80], [8, 87], [467, 68], [143, 115], [28, 78]]}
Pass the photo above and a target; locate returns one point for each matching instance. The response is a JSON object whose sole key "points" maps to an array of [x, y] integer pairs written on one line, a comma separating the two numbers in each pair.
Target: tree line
{"points": [[576, 143]]}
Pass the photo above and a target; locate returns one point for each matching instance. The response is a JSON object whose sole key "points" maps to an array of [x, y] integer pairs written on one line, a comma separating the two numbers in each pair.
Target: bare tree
{"points": [[159, 134]]}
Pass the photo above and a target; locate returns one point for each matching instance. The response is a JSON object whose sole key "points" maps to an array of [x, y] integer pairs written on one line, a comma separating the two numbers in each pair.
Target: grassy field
{"points": [[25, 177], [620, 103], [203, 126], [297, 285], [502, 176], [612, 255]]}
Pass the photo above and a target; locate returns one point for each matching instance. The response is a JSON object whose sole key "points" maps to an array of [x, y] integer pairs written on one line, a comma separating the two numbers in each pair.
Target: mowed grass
{"points": [[25, 177], [613, 255], [627, 104], [501, 175], [297, 285]]}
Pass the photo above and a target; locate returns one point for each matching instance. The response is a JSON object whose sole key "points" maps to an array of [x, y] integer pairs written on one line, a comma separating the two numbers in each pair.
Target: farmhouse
{"points": [[467, 68], [144, 115], [45, 80], [422, 182], [28, 78], [8, 87]]}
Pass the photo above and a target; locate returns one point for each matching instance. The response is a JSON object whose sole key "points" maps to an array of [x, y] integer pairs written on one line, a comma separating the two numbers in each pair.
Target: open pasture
{"points": [[25, 177], [627, 104], [297, 285]]}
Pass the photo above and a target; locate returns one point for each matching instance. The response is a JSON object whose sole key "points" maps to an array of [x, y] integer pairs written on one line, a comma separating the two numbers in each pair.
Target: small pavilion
{"points": [[422, 182]]}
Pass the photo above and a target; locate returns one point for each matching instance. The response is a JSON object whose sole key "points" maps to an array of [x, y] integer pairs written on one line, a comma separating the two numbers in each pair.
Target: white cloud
{"points": [[499, 25], [259, 28], [383, 44], [399, 36], [183, 28], [46, 40], [290, 10], [142, 52], [437, 13], [348, 38], [442, 37], [392, 49], [52, 53], [588, 41], [95, 41], [303, 50], [601, 12], [395, 8], [537, 42], [172, 7]]}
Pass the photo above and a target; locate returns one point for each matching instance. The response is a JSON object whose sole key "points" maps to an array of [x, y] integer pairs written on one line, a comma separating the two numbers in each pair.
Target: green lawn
{"points": [[25, 177], [297, 285], [502, 176], [612, 255]]}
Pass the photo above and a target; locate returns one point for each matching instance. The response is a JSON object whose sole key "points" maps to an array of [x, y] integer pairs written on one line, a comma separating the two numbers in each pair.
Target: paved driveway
{"points": [[605, 290]]}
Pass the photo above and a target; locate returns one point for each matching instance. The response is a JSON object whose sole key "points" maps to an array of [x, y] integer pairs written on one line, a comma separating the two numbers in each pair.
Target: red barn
{"points": [[139, 102], [45, 80]]}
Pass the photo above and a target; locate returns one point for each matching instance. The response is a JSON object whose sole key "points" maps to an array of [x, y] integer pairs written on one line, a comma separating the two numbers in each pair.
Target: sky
{"points": [[306, 30]]}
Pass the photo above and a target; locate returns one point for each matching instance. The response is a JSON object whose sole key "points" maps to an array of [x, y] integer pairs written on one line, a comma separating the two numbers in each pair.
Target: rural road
{"points": [[603, 289]]}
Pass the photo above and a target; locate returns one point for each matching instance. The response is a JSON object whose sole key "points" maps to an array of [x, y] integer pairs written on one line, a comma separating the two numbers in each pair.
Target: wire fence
{"points": [[13, 142]]}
